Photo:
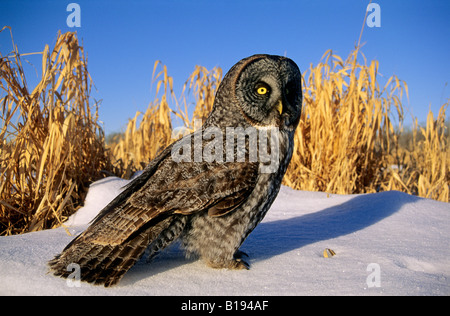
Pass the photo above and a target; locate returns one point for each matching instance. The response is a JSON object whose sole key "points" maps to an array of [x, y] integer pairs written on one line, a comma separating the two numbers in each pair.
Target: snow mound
{"points": [[387, 243]]}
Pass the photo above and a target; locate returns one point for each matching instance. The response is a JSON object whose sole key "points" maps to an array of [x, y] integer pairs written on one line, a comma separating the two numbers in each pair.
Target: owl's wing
{"points": [[167, 187], [121, 232]]}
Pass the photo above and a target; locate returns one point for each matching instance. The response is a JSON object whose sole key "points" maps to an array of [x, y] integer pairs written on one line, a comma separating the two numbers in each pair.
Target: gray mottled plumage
{"points": [[211, 206]]}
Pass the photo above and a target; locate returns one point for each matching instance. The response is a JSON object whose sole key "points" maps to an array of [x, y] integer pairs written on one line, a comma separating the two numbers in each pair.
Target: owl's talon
{"points": [[241, 265]]}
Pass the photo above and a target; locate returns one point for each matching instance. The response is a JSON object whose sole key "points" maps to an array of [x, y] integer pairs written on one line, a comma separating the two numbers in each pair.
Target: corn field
{"points": [[52, 147], [347, 142]]}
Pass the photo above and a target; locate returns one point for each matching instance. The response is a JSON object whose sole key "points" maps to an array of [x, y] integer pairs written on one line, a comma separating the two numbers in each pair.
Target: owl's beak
{"points": [[279, 107]]}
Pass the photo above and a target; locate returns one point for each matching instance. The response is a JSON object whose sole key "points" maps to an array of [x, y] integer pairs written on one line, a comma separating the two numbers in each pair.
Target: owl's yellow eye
{"points": [[262, 89]]}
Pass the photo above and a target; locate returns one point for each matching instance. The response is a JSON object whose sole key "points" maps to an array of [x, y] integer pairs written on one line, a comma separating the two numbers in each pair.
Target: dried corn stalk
{"points": [[51, 143]]}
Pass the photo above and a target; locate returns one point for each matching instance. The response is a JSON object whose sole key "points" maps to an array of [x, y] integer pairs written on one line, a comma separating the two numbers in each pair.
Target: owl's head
{"points": [[266, 89]]}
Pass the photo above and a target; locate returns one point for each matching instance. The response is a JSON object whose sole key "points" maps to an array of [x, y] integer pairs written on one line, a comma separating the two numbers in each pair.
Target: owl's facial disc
{"points": [[260, 99], [264, 90], [269, 92]]}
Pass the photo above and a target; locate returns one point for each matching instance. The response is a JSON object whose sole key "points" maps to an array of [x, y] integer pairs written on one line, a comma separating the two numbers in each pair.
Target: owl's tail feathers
{"points": [[98, 264], [104, 264]]}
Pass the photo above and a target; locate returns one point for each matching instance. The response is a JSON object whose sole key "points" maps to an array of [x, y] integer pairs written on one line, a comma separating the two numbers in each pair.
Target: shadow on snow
{"points": [[277, 237]]}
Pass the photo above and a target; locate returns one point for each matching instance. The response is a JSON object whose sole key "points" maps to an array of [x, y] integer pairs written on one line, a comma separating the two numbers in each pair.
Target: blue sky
{"points": [[123, 39]]}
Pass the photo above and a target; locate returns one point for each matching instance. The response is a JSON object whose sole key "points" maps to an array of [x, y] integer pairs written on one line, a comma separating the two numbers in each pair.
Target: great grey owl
{"points": [[209, 189]]}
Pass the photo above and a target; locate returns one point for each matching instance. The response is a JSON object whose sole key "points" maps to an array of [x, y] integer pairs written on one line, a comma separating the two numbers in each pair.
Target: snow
{"points": [[387, 243]]}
